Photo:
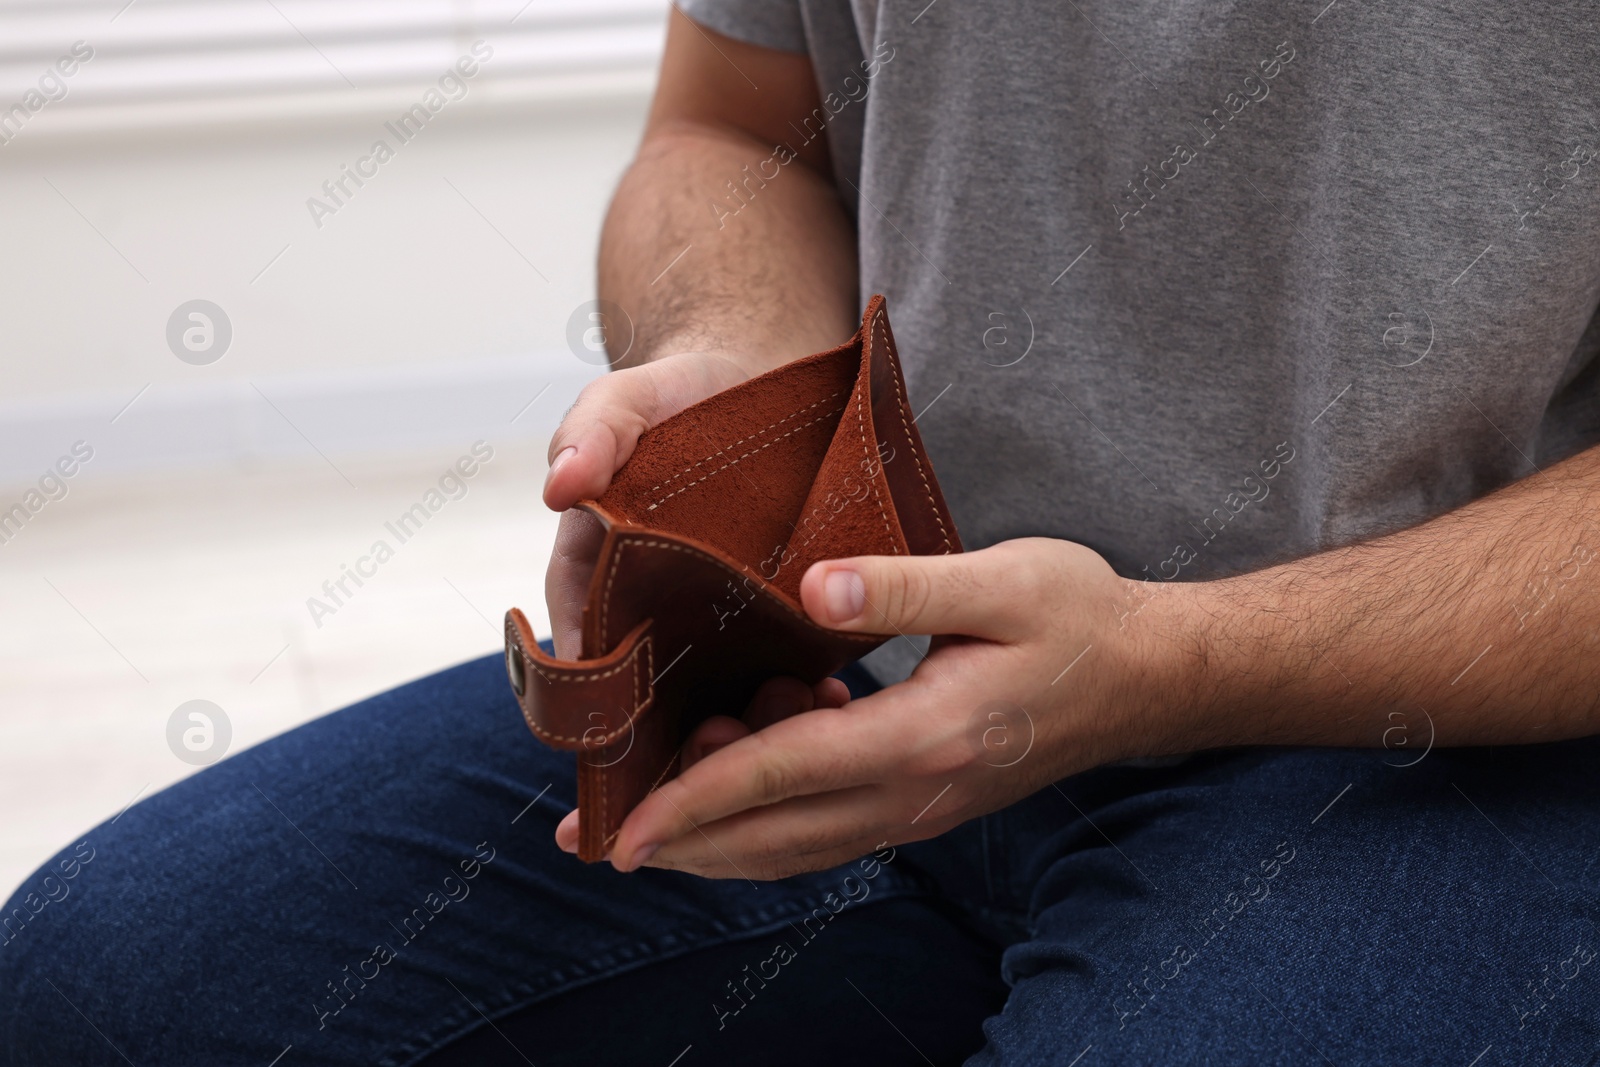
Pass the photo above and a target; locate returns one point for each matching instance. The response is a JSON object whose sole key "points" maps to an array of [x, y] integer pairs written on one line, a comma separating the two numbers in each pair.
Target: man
{"points": [[1262, 388]]}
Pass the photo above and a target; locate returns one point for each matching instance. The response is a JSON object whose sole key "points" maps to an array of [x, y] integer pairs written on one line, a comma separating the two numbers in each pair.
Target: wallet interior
{"points": [[776, 473]]}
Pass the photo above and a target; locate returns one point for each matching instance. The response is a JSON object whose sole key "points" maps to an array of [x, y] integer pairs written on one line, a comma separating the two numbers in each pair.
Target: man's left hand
{"points": [[1039, 673]]}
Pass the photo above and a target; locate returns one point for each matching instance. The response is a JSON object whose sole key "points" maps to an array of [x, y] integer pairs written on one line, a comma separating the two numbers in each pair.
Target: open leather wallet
{"points": [[710, 525]]}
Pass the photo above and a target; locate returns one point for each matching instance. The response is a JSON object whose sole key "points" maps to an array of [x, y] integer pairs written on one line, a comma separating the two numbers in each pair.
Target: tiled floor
{"points": [[129, 597]]}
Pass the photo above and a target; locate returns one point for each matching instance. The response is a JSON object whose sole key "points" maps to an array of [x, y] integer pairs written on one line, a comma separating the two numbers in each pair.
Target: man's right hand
{"points": [[591, 445], [716, 294]]}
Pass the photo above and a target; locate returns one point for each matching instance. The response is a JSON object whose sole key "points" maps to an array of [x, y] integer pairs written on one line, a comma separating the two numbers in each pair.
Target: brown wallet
{"points": [[710, 525]]}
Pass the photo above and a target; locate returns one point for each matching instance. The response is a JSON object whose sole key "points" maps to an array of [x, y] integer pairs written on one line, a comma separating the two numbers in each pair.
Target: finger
{"points": [[567, 832], [831, 693], [598, 435], [566, 581], [973, 593], [779, 698], [600, 431], [803, 834], [776, 700], [820, 751], [719, 731]]}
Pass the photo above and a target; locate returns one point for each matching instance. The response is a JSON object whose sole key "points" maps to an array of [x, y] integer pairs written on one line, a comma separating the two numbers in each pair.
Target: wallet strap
{"points": [[580, 707]]}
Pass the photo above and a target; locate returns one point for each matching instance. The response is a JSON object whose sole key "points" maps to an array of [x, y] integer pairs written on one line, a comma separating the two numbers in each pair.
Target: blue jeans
{"points": [[380, 886]]}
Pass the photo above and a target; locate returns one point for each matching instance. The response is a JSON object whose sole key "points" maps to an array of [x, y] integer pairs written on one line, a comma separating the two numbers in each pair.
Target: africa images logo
{"points": [[452, 86], [51, 88]]}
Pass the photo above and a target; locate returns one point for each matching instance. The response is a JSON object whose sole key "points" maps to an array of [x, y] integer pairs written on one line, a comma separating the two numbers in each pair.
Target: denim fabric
{"points": [[380, 887]]}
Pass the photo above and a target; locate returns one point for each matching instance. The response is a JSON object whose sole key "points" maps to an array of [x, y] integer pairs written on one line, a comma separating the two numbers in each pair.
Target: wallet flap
{"points": [[926, 527], [875, 493], [850, 510]]}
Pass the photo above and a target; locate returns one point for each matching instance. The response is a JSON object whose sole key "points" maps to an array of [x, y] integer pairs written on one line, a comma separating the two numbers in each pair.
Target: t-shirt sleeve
{"points": [[769, 23]]}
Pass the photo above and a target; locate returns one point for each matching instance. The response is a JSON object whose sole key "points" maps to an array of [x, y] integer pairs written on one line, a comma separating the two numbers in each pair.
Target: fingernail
{"points": [[844, 595], [561, 457], [642, 856]]}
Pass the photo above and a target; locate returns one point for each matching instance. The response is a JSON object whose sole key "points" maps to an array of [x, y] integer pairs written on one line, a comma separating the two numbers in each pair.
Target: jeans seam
{"points": [[747, 925]]}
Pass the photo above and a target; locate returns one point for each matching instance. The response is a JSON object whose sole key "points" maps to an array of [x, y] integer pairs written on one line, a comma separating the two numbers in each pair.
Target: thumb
{"points": [[976, 594], [599, 433]]}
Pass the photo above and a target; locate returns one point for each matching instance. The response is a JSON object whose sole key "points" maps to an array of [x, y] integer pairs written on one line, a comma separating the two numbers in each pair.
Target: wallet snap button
{"points": [[519, 681]]}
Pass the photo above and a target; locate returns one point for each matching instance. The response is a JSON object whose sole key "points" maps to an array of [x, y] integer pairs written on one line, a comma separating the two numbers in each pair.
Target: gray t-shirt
{"points": [[1208, 286]]}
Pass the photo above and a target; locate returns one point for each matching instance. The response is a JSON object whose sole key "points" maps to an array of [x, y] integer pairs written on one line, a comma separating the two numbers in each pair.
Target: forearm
{"points": [[727, 291], [763, 283], [1484, 622]]}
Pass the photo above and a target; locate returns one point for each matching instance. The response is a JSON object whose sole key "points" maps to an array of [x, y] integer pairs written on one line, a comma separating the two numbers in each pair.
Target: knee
{"points": [[39, 911], [56, 962], [97, 950]]}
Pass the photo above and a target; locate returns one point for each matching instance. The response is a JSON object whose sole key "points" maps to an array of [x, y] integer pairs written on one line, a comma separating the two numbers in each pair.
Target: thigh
{"points": [[364, 889], [897, 983], [1310, 906]]}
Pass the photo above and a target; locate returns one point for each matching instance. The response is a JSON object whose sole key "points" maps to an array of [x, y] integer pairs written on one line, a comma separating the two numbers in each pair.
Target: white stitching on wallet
{"points": [[739, 442], [900, 399], [871, 454], [787, 433], [639, 699]]}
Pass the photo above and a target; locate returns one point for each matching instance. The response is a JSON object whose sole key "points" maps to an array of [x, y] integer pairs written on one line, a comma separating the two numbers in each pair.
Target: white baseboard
{"points": [[346, 413]]}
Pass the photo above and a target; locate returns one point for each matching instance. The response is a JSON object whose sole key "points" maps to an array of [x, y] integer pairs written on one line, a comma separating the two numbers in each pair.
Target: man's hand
{"points": [[591, 445], [1044, 680]]}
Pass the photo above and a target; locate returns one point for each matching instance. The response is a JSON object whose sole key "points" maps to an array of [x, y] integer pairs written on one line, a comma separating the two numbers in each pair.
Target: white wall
{"points": [[424, 315], [406, 287]]}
